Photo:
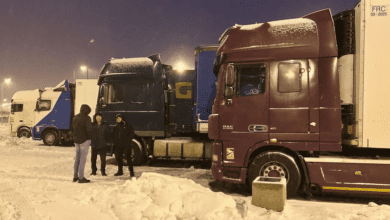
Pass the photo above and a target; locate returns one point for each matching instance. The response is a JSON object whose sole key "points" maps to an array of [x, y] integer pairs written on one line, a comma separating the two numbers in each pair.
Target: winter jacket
{"points": [[123, 133], [101, 135], [82, 125]]}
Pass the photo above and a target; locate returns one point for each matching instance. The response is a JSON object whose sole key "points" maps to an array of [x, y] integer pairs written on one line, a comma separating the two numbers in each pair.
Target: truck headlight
{"points": [[215, 157]]}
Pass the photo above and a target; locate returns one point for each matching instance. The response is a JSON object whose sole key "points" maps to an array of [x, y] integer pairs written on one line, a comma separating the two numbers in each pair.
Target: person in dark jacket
{"points": [[123, 134], [101, 135], [82, 130]]}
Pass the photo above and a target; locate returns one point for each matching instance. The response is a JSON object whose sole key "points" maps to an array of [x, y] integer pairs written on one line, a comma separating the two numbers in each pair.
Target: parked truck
{"points": [[167, 108], [56, 107], [306, 99], [22, 112]]}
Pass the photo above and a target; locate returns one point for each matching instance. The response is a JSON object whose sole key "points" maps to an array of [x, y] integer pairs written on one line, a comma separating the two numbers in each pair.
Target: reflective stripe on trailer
{"points": [[346, 160], [355, 189]]}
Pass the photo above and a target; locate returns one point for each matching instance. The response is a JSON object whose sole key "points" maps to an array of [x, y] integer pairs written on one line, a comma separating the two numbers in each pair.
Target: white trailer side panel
{"points": [[86, 93], [373, 73]]}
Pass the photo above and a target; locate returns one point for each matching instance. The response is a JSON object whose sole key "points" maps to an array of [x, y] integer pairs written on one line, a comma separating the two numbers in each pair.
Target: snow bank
{"points": [[158, 196], [43, 175], [8, 211], [7, 140]]}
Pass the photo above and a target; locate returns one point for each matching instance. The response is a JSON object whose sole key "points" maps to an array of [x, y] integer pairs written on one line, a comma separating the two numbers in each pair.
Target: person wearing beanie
{"points": [[82, 132], [101, 136], [123, 135]]}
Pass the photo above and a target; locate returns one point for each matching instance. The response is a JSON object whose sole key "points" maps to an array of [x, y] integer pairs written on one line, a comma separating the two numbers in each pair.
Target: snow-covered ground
{"points": [[35, 183]]}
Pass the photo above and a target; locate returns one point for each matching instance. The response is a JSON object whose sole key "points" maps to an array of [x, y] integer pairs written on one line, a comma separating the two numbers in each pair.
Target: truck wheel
{"points": [[136, 156], [276, 164], [50, 138], [24, 132]]}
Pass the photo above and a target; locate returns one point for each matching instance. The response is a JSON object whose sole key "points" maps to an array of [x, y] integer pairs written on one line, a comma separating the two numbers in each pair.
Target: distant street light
{"points": [[83, 68], [180, 67], [2, 93]]}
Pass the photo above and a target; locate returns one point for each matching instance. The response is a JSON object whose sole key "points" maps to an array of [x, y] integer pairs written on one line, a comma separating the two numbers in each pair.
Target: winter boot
{"points": [[104, 173], [75, 179], [83, 180], [93, 173], [119, 173]]}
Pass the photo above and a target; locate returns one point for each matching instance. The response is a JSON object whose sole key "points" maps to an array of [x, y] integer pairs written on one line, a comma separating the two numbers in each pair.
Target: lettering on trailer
{"points": [[378, 10], [183, 90]]}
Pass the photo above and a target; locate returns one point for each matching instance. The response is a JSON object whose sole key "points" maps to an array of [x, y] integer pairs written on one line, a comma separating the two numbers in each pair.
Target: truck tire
{"points": [[50, 138], [136, 156], [24, 132], [276, 164]]}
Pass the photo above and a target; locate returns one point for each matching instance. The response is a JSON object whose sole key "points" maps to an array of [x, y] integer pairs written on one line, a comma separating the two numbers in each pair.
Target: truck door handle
{"points": [[258, 128]]}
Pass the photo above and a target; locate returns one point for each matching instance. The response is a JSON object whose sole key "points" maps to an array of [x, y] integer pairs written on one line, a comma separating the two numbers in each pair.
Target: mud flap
{"points": [[305, 187]]}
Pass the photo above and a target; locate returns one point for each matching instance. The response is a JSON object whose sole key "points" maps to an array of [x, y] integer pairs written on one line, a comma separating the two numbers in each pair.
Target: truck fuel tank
{"points": [[182, 149]]}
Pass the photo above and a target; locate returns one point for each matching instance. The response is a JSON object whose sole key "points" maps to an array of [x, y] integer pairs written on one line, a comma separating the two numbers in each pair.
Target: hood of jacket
{"points": [[85, 109]]}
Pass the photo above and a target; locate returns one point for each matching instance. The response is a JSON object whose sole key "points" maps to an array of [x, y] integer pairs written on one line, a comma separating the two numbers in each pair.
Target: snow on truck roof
{"points": [[137, 61], [128, 65], [27, 95], [309, 36]]}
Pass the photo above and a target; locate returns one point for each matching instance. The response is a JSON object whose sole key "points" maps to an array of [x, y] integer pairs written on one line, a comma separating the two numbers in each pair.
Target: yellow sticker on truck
{"points": [[230, 153]]}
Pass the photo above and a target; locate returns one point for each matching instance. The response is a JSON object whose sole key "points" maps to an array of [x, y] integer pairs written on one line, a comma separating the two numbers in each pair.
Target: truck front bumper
{"points": [[35, 135], [229, 174], [223, 173]]}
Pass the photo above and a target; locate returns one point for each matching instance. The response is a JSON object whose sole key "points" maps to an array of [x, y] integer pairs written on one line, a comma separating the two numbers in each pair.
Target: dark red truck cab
{"points": [[277, 95], [305, 99]]}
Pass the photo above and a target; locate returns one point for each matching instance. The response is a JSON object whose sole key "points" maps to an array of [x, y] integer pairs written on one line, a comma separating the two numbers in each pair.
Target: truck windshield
{"points": [[125, 92], [16, 108]]}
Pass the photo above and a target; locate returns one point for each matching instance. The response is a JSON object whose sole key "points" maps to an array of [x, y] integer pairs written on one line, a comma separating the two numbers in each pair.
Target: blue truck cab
{"points": [[53, 114], [167, 108]]}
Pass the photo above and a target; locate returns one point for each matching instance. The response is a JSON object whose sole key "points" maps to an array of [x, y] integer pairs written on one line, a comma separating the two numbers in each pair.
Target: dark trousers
{"points": [[119, 156], [102, 153]]}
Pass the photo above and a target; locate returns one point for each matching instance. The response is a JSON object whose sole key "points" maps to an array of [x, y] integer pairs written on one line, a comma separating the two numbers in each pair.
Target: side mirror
{"points": [[36, 107], [230, 75], [102, 102]]}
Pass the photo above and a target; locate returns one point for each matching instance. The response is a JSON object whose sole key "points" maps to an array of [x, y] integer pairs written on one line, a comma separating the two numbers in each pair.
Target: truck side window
{"points": [[16, 108], [137, 92], [104, 92], [44, 105], [251, 80], [115, 93], [289, 77]]}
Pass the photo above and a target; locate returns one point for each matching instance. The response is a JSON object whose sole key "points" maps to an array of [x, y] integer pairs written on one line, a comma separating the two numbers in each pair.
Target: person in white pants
{"points": [[82, 132]]}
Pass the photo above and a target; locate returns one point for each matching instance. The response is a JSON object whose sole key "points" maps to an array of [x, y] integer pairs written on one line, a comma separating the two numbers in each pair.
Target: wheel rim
{"points": [[50, 138], [274, 169], [24, 134]]}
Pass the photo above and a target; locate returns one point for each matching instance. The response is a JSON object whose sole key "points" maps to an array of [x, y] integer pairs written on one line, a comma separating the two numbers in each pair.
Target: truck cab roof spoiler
{"points": [[310, 36]]}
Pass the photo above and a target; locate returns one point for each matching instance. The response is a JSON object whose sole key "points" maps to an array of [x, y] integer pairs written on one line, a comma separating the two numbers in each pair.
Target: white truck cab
{"points": [[22, 112]]}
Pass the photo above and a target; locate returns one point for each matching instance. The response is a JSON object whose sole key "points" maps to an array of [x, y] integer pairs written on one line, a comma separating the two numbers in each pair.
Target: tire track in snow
{"points": [[8, 193]]}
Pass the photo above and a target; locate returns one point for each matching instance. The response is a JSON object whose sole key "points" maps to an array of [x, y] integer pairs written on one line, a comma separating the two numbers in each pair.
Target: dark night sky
{"points": [[44, 41]]}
